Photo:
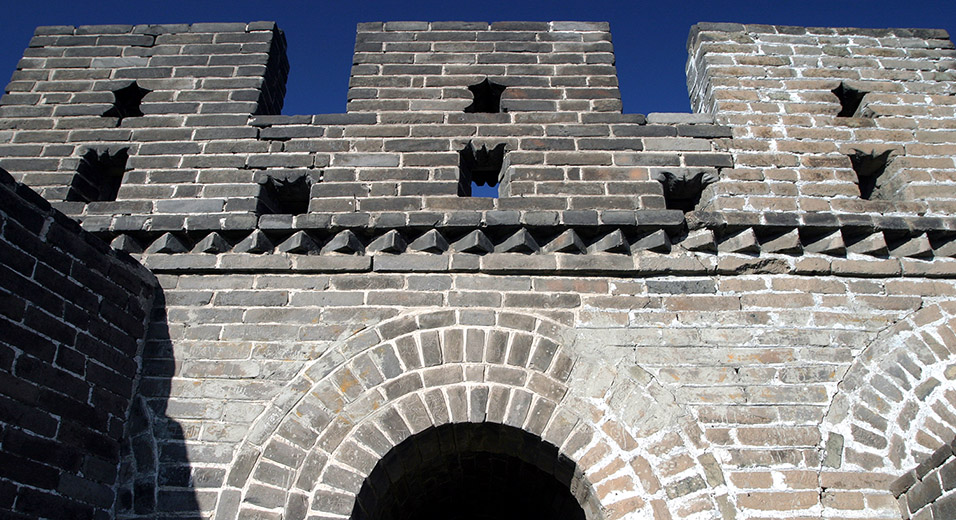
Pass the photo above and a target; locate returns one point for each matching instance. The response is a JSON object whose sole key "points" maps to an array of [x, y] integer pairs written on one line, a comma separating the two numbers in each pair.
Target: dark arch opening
{"points": [[470, 472]]}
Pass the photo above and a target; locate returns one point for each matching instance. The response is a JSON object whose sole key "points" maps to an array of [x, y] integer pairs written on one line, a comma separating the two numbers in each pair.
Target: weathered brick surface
{"points": [[928, 492], [783, 348], [772, 85]]}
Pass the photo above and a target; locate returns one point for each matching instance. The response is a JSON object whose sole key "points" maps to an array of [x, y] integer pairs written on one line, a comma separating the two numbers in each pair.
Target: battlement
{"points": [[543, 66], [142, 130], [829, 119]]}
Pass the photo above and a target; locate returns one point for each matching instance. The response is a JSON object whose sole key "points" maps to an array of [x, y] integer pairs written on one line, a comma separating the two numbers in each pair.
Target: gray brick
{"points": [[644, 131], [459, 26], [923, 493], [365, 159], [270, 120], [679, 118], [189, 205], [288, 132], [54, 29], [115, 63], [406, 26], [217, 27], [410, 263], [945, 507]]}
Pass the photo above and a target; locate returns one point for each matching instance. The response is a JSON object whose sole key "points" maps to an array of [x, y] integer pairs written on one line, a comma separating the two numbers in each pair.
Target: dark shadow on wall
{"points": [[156, 479], [73, 321]]}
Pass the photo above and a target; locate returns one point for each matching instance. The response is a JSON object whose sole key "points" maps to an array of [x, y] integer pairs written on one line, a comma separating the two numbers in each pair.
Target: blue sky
{"points": [[649, 37]]}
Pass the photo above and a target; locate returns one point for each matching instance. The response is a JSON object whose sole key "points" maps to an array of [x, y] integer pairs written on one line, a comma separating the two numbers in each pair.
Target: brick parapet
{"points": [[370, 166], [198, 78], [428, 66], [196, 150], [772, 85]]}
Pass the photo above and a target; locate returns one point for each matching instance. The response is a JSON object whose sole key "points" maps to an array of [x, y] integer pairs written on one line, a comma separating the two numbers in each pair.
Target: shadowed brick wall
{"points": [[73, 317]]}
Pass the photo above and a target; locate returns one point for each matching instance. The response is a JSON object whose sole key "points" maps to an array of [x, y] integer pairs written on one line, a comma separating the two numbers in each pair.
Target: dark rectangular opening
{"points": [[98, 176]]}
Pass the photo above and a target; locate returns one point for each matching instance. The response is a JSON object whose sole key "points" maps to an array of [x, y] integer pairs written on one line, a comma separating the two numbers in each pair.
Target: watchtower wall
{"points": [[330, 289]]}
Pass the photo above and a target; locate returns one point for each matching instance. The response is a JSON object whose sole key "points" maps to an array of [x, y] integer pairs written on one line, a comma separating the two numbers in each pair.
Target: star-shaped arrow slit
{"points": [[126, 102], [487, 97]]}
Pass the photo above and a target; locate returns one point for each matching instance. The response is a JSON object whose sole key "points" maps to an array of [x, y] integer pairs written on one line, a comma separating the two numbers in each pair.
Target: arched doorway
{"points": [[378, 388], [470, 471]]}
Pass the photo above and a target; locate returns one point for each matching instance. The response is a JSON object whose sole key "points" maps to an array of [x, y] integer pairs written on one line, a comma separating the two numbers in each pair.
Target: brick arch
{"points": [[636, 452], [897, 403]]}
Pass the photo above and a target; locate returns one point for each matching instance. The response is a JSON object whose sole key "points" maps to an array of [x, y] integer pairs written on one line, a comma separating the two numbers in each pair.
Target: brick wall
{"points": [[545, 66], [927, 491], [774, 351], [718, 349], [73, 317], [196, 152], [774, 86], [201, 82]]}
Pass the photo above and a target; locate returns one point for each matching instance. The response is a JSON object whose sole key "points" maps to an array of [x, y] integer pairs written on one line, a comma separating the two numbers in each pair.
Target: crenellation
{"points": [[730, 94]]}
